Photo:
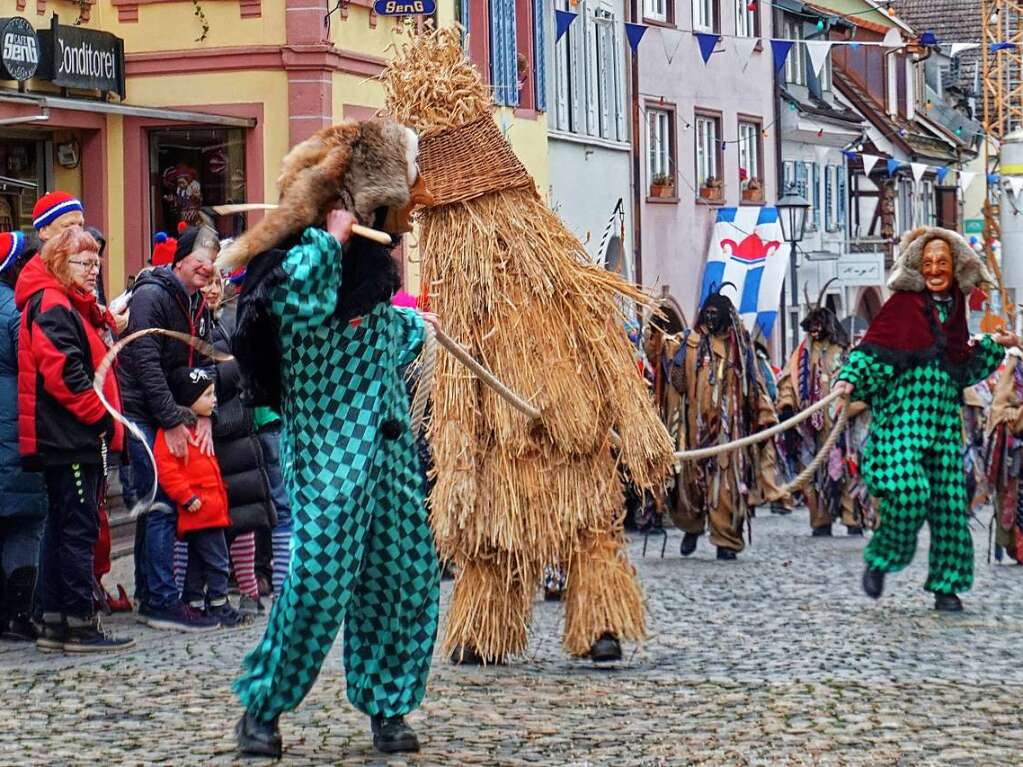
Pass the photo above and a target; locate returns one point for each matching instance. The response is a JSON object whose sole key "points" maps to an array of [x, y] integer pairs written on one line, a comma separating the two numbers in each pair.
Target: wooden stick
{"points": [[243, 207]]}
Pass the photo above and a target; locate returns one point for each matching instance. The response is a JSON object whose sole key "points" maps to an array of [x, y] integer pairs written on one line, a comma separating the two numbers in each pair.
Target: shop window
{"points": [[751, 161], [661, 152], [709, 183], [22, 182], [195, 167]]}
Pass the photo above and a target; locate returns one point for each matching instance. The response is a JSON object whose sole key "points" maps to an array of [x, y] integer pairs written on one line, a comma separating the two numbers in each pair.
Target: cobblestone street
{"points": [[777, 659]]}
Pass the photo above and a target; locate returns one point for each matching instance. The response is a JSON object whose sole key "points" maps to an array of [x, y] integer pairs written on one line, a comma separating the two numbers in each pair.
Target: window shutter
{"points": [[815, 196], [540, 53], [562, 73], [843, 197], [829, 197], [503, 66], [576, 38]]}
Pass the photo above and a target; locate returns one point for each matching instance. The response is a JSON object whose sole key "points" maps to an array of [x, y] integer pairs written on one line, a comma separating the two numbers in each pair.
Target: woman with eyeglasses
{"points": [[65, 431]]}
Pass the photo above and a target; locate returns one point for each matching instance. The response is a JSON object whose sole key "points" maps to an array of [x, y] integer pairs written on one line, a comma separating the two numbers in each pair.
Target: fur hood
{"points": [[970, 271], [363, 166]]}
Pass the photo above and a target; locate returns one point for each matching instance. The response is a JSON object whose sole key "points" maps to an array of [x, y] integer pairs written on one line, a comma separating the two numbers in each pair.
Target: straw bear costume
{"points": [[362, 549], [911, 368]]}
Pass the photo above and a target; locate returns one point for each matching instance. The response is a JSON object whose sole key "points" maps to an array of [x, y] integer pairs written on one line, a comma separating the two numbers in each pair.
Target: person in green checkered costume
{"points": [[911, 369], [363, 553]]}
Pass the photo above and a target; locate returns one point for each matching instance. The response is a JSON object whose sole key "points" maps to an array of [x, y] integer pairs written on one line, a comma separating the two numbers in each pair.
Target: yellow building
{"points": [[149, 109]]}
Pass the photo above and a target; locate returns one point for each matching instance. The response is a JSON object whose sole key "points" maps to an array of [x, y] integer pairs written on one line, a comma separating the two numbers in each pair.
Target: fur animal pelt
{"points": [[970, 271], [360, 166]]}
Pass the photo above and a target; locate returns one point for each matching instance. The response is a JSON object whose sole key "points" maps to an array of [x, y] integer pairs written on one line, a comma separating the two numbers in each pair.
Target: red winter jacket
{"points": [[196, 476], [60, 416]]}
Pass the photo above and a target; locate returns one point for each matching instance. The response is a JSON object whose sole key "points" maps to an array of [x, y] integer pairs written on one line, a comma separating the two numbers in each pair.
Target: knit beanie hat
{"points": [[52, 206], [163, 249], [195, 237], [12, 245], [188, 384]]}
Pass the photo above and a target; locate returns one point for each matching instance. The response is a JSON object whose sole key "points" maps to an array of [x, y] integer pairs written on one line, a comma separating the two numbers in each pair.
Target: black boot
{"points": [[54, 633], [607, 649], [688, 545], [777, 507], [824, 531], [258, 738], [855, 531], [727, 554], [391, 734], [553, 595], [19, 589], [948, 603], [466, 655], [873, 582]]}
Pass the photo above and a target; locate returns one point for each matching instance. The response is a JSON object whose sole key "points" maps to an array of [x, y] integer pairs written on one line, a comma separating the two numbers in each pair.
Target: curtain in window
{"points": [[503, 65], [540, 53]]}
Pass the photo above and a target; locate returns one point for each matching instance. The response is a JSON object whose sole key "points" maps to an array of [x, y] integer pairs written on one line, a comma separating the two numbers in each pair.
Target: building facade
{"points": [[706, 133]]}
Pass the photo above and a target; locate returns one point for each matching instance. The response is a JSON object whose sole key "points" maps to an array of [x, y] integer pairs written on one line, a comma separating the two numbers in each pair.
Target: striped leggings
{"points": [[243, 563]]}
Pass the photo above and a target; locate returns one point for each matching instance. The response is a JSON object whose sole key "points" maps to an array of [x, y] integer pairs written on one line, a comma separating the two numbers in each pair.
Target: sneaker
{"points": [[180, 617], [53, 634], [89, 637], [227, 616], [391, 735], [249, 606]]}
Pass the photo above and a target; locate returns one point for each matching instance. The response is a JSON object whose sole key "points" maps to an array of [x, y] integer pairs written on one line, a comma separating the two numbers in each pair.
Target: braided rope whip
{"points": [[426, 367], [101, 375]]}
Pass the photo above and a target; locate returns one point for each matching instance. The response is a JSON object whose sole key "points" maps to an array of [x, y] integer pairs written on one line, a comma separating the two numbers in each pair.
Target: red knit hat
{"points": [[163, 249], [52, 206]]}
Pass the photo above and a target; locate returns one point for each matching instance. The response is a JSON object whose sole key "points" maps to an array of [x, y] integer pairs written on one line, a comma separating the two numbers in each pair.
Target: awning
{"points": [[8, 184], [127, 110]]}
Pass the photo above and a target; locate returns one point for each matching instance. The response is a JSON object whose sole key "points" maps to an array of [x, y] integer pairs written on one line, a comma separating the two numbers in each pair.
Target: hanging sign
{"points": [[74, 57], [19, 49], [404, 7]]}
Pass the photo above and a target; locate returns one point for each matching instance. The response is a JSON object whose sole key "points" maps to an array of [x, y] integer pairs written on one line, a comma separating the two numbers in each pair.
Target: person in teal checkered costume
{"points": [[321, 343], [911, 368]]}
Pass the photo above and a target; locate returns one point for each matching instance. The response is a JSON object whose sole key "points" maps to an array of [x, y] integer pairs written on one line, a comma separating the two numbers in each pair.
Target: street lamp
{"points": [[792, 211]]}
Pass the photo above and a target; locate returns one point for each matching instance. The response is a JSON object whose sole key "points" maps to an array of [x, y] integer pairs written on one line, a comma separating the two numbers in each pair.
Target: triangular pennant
{"points": [[708, 43], [818, 50], [780, 49], [635, 33], [849, 154], [995, 47], [821, 152], [942, 174], [1016, 185], [893, 39], [966, 179], [958, 48], [665, 35], [563, 20], [869, 161], [744, 47], [919, 169], [893, 166]]}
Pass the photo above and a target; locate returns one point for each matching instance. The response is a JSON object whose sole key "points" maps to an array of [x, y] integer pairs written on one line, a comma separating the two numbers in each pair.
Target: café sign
{"points": [[19, 49], [404, 7], [74, 57]]}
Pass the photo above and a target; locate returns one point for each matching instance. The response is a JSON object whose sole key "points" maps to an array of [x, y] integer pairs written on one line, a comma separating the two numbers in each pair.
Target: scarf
{"points": [[908, 331]]}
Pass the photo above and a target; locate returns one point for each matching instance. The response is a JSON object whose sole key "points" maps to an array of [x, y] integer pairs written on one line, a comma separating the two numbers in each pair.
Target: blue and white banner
{"points": [[746, 250]]}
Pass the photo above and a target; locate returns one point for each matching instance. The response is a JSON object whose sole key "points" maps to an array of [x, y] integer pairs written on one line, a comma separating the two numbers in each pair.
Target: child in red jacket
{"points": [[195, 485]]}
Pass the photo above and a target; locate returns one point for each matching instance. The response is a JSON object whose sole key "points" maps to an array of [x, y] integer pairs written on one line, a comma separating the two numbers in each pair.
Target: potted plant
{"points": [[662, 185], [753, 191], [712, 189]]}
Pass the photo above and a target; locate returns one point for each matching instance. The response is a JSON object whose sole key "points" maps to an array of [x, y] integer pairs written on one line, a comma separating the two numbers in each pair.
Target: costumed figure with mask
{"points": [[1005, 458], [807, 379], [723, 398], [772, 470], [911, 369], [513, 493], [318, 341]]}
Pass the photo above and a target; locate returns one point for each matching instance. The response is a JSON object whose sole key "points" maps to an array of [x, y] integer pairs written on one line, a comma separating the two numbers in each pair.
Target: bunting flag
{"points": [[665, 34], [635, 33], [995, 47], [818, 50], [992, 178], [869, 161], [942, 174], [564, 20], [893, 166], [966, 179], [744, 47], [1015, 184], [821, 152], [780, 49], [708, 43], [893, 39], [929, 39], [919, 169], [958, 48]]}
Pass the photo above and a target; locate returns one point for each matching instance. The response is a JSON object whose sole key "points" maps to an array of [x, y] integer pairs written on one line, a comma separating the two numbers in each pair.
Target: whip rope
{"points": [[424, 385], [101, 376]]}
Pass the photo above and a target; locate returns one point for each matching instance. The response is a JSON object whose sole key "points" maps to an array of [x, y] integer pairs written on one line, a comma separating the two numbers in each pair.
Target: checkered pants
{"points": [[362, 548]]}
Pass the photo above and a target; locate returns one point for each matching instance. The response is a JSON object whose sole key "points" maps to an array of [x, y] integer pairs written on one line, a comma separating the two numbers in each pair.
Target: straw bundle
{"points": [[514, 286]]}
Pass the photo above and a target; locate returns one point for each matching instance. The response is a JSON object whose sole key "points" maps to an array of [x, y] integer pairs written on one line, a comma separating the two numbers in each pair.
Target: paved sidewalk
{"points": [[776, 659]]}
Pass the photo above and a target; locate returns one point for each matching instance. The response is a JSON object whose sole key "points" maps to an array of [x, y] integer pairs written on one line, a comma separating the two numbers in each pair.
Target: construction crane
{"points": [[1002, 86]]}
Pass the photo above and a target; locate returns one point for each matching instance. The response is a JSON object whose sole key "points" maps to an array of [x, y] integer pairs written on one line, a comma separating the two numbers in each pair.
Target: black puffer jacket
{"points": [[236, 444], [159, 300]]}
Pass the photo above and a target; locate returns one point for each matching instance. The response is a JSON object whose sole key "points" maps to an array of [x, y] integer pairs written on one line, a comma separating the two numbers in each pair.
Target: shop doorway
{"points": [[23, 172], [192, 168]]}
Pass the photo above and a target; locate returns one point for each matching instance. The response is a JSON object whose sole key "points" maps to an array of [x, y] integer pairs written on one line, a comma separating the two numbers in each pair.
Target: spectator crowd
{"points": [[220, 521]]}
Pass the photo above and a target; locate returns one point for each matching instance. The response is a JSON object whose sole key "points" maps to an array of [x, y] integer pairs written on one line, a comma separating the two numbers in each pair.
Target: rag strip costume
{"points": [[806, 380], [362, 550], [911, 369], [722, 398], [517, 289], [1005, 457]]}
